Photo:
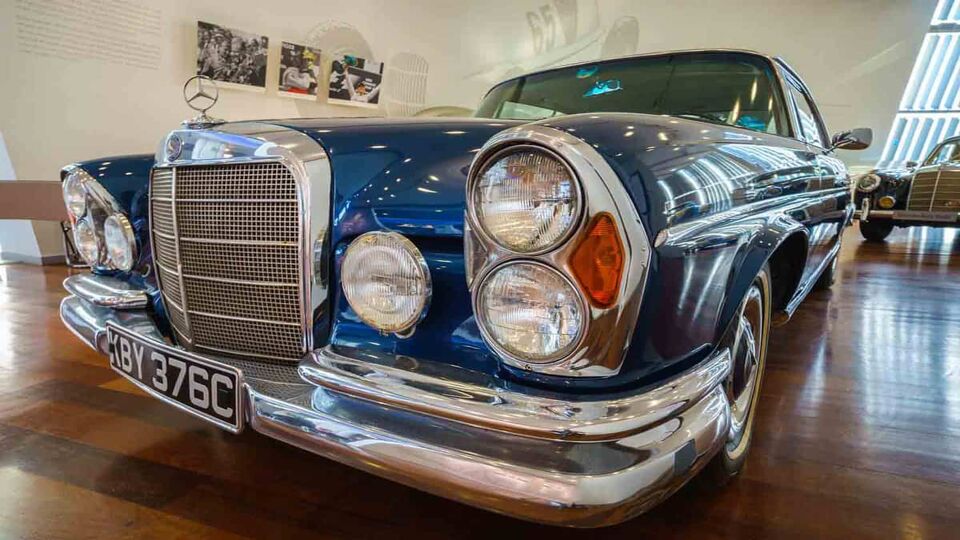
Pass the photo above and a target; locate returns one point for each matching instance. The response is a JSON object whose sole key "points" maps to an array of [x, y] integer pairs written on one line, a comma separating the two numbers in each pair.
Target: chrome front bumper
{"points": [[466, 436]]}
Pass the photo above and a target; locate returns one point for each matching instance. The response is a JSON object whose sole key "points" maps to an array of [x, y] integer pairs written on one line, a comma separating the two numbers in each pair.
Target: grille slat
{"points": [[233, 233], [935, 191]]}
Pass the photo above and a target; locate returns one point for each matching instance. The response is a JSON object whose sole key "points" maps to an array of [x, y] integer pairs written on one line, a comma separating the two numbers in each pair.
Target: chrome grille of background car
{"points": [[227, 246], [935, 191]]}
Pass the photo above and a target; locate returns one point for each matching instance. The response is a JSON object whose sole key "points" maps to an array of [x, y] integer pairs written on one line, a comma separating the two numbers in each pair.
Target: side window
{"points": [[947, 152], [810, 129]]}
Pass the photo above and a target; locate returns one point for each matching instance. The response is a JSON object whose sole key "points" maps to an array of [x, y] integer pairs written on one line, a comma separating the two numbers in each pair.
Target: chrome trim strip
{"points": [[241, 281], [907, 215], [482, 401], [609, 330], [166, 199], [173, 304], [247, 319], [165, 268], [185, 306], [230, 352], [229, 242], [106, 291], [936, 186]]}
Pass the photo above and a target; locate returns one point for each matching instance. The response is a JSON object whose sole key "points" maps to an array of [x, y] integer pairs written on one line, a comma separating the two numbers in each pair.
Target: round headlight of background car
{"points": [[868, 182], [386, 281], [526, 199], [85, 238], [75, 194], [121, 243], [531, 312]]}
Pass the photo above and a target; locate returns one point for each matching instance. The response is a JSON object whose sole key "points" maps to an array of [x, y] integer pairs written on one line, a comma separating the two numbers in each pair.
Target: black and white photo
{"points": [[355, 81], [231, 56]]}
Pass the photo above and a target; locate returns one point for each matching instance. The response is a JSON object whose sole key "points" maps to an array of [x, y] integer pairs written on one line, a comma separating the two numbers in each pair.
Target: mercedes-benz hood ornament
{"points": [[201, 94]]}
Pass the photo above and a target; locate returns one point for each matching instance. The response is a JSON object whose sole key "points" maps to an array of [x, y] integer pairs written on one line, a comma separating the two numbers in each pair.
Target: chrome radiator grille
{"points": [[227, 247], [935, 191]]}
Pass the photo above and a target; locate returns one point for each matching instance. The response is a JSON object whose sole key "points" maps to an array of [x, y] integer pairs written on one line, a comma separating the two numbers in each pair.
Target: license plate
{"points": [[915, 215], [207, 389]]}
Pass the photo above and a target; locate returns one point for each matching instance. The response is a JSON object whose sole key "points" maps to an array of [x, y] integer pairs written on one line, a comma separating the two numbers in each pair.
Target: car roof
{"points": [[642, 55]]}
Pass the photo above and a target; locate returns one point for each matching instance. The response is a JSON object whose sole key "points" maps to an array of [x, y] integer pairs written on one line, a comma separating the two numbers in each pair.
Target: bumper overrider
{"points": [[457, 433], [867, 212]]}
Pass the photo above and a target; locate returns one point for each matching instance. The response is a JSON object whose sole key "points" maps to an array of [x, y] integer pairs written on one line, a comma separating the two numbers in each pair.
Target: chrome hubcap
{"points": [[748, 357]]}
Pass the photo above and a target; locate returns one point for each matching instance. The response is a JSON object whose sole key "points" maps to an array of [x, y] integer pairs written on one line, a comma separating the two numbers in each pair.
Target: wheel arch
{"points": [[784, 247]]}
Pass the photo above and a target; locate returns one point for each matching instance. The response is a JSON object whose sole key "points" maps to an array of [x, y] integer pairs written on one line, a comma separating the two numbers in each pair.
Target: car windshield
{"points": [[946, 152], [735, 89]]}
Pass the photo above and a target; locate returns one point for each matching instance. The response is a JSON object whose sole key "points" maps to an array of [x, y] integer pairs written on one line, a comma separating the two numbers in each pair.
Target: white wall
{"points": [[855, 54]]}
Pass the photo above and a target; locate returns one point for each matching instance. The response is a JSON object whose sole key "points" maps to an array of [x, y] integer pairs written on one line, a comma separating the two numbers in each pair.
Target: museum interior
{"points": [[436, 269]]}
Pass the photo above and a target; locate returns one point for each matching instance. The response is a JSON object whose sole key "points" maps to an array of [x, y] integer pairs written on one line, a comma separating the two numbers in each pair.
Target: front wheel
{"points": [[749, 354], [874, 231]]}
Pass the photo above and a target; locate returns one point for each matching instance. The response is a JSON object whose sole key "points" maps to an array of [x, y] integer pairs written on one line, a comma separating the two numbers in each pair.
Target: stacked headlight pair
{"points": [[101, 233], [528, 201]]}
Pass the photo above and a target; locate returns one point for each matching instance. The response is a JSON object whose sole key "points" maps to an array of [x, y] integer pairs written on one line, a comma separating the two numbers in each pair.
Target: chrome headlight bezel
{"points": [[406, 327], [869, 182], [607, 329], [128, 242], [75, 194], [503, 350], [495, 157]]}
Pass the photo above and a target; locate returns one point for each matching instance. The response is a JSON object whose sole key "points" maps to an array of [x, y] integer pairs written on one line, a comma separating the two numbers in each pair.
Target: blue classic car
{"points": [[926, 194], [558, 310]]}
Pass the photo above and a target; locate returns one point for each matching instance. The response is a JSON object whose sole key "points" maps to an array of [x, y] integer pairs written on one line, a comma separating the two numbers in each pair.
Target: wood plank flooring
{"points": [[858, 433]]}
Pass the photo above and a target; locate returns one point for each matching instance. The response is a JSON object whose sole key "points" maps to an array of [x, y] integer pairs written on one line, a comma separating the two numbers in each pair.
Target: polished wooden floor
{"points": [[858, 434]]}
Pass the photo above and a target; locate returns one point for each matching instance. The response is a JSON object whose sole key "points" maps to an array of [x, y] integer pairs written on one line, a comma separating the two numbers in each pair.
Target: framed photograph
{"points": [[299, 71], [355, 81], [232, 56]]}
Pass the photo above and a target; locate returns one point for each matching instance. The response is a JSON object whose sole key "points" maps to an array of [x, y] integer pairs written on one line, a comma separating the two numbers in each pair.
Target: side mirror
{"points": [[911, 165], [855, 139]]}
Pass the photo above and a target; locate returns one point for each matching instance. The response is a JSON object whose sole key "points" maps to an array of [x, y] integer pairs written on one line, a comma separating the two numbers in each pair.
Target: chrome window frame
{"points": [[608, 331], [307, 161]]}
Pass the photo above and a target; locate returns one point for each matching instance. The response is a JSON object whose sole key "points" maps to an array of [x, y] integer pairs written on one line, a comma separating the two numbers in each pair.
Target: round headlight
{"points": [[526, 199], [386, 281], [75, 194], [85, 238], [120, 241], [531, 312], [868, 182]]}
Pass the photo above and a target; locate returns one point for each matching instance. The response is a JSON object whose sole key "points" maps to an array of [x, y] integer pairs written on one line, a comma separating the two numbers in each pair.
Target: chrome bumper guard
{"points": [[467, 436]]}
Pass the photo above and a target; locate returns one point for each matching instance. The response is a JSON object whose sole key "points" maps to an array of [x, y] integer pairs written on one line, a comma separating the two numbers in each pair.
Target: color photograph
{"points": [[299, 71], [355, 81]]}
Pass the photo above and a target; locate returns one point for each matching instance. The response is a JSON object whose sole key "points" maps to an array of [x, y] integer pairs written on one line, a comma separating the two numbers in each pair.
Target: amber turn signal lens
{"points": [[598, 261], [886, 202]]}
